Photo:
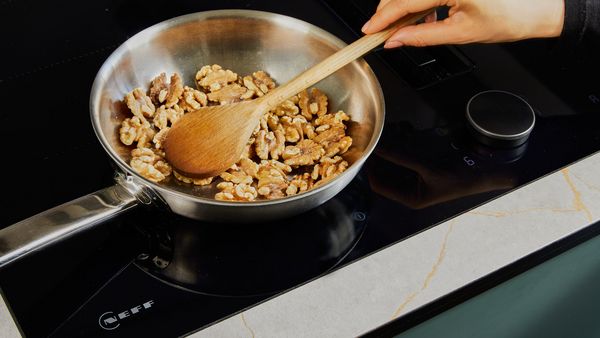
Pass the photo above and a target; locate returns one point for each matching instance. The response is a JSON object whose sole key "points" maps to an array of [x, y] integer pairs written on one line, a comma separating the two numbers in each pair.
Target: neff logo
{"points": [[110, 321]]}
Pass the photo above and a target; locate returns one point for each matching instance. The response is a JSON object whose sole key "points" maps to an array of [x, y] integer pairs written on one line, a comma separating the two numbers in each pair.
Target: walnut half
{"points": [[150, 164]]}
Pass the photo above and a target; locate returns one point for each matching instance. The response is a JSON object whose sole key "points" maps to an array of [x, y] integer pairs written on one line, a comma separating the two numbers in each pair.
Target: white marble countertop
{"points": [[401, 278]]}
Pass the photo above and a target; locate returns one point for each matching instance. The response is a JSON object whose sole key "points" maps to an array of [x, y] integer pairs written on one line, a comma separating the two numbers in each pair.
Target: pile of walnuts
{"points": [[297, 146]]}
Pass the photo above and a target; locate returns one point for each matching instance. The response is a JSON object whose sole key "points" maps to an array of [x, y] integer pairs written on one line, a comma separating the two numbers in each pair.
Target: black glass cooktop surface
{"points": [[150, 272]]}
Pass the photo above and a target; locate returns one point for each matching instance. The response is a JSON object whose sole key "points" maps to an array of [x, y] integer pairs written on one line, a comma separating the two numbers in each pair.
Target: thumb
{"points": [[427, 34]]}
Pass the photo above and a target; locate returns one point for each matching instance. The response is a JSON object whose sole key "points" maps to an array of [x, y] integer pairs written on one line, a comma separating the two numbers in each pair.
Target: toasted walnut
{"points": [[214, 77], [228, 94], [139, 103], [160, 138], [336, 119], [272, 182], [309, 131], [329, 168], [272, 121], [165, 115], [248, 166], [338, 147], [313, 104], [306, 152], [192, 99], [258, 84], [287, 108], [293, 127], [163, 93], [270, 143], [283, 168], [159, 89], [299, 183], [135, 130], [236, 192], [149, 164], [235, 174], [175, 90], [195, 181], [292, 134], [330, 135]]}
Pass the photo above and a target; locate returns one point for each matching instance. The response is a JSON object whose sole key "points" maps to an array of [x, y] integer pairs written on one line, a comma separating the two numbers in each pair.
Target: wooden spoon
{"points": [[208, 141]]}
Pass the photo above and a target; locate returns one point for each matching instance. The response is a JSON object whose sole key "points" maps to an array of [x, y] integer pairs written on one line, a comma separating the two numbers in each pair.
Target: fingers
{"points": [[393, 10], [382, 4], [431, 17], [428, 34]]}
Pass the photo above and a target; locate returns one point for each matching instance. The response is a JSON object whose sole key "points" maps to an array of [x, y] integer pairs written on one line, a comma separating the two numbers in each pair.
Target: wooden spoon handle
{"points": [[338, 60]]}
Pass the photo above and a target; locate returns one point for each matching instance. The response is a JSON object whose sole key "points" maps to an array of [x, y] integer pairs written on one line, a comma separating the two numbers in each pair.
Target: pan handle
{"points": [[62, 221]]}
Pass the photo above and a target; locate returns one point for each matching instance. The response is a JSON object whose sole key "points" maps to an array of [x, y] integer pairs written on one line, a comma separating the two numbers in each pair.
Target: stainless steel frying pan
{"points": [[241, 40]]}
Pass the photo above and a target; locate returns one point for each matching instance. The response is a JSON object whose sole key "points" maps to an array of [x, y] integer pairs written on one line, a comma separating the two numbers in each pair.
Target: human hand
{"points": [[470, 21]]}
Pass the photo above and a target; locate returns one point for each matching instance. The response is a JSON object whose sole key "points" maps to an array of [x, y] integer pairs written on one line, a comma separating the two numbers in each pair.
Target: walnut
{"points": [[293, 127], [331, 120], [329, 168], [228, 94], [299, 183], [214, 77], [149, 164], [159, 89], [338, 147], [160, 137], [236, 175], [306, 152], [272, 182], [140, 104], [264, 122], [333, 134], [309, 131], [248, 166], [292, 135], [165, 115], [271, 121], [134, 130], [313, 104], [258, 84], [236, 192], [195, 181], [283, 168], [287, 108], [161, 93], [270, 143], [192, 99]]}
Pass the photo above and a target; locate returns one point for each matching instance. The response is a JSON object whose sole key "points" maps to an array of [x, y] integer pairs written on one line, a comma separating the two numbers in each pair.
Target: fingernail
{"points": [[392, 44], [365, 26]]}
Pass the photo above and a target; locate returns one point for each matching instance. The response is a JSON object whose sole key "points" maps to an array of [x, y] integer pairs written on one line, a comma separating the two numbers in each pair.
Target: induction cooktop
{"points": [[151, 272]]}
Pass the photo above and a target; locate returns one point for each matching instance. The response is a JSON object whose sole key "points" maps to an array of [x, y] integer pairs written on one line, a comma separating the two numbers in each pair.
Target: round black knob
{"points": [[499, 118]]}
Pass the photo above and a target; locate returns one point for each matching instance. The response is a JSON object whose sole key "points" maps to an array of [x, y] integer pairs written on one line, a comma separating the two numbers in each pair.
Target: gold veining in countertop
{"points": [[577, 200], [577, 205], [246, 325], [430, 275]]}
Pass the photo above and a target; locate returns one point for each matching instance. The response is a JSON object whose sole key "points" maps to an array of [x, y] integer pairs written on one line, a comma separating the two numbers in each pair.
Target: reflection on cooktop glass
{"points": [[150, 272], [255, 259]]}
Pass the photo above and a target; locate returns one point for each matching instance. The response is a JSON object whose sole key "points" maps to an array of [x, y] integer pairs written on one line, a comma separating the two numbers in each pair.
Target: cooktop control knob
{"points": [[500, 118]]}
